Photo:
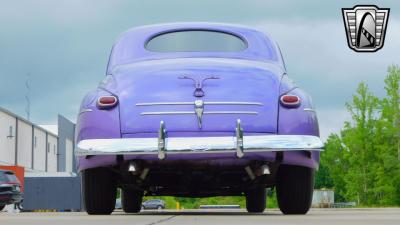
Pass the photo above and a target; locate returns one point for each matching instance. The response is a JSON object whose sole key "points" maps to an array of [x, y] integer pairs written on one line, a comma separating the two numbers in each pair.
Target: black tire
{"points": [[256, 200], [20, 206], [2, 207], [131, 201], [99, 191], [294, 189]]}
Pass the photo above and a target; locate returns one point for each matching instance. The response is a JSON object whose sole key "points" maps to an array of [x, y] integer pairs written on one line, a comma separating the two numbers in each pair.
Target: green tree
{"points": [[332, 167], [362, 163], [387, 138], [357, 138]]}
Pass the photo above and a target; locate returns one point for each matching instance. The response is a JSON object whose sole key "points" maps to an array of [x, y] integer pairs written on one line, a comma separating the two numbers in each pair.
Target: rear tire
{"points": [[99, 191], [256, 200], [131, 201], [294, 189], [20, 206]]}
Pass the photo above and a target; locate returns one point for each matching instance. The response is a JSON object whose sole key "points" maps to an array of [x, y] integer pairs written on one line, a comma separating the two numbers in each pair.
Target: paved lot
{"points": [[220, 217]]}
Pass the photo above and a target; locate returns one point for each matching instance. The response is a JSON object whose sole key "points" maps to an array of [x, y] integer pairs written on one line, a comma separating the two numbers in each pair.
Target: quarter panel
{"points": [[93, 123], [301, 120]]}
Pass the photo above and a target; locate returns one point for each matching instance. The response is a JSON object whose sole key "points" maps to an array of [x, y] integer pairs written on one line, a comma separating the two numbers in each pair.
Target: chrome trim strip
{"points": [[167, 113], [259, 143], [192, 112], [231, 112], [192, 103], [309, 109], [164, 103], [233, 103], [85, 110]]}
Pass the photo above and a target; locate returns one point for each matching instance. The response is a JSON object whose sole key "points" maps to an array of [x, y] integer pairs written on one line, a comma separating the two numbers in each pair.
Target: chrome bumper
{"points": [[163, 145]]}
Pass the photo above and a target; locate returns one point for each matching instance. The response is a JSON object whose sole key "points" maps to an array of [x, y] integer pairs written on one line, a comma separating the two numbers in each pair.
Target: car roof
{"points": [[130, 46]]}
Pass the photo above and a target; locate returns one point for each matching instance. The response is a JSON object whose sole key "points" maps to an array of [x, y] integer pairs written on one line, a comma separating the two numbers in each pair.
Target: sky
{"points": [[62, 48]]}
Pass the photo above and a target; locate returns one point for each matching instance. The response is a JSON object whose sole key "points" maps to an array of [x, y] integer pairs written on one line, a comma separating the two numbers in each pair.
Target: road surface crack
{"points": [[162, 220]]}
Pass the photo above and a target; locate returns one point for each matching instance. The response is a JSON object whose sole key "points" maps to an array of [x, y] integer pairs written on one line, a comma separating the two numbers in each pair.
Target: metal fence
{"points": [[62, 193]]}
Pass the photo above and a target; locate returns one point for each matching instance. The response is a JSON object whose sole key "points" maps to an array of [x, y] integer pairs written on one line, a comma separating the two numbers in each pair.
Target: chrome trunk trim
{"points": [[164, 103], [192, 112], [167, 113], [192, 103], [233, 103], [198, 109], [231, 112]]}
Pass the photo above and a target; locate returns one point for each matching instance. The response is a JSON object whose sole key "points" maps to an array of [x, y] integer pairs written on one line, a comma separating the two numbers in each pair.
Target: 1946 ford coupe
{"points": [[197, 110]]}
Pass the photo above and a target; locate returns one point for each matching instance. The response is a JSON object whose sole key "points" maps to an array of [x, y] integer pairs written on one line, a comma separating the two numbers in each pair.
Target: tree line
{"points": [[362, 162]]}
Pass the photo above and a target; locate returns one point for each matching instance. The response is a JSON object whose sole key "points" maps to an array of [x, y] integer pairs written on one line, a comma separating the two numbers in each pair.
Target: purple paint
{"points": [[136, 75]]}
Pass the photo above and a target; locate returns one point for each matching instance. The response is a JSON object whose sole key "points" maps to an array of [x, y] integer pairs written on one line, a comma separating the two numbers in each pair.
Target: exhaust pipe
{"points": [[144, 173], [249, 172], [132, 167], [265, 170]]}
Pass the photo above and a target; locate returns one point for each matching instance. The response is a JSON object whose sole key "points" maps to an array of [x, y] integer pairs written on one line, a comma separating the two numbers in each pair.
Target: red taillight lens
{"points": [[290, 100], [107, 102]]}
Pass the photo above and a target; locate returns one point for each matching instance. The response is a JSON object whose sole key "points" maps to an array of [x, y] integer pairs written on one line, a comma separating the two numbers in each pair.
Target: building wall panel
{"points": [[39, 149], [24, 151], [7, 139], [66, 135], [69, 152], [52, 153]]}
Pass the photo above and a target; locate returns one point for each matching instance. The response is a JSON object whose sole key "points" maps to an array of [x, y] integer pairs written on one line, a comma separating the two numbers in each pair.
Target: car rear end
{"points": [[195, 125], [10, 188]]}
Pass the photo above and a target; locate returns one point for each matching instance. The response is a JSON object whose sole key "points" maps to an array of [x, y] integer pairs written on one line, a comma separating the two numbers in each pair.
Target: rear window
{"points": [[8, 177], [3, 177], [196, 41]]}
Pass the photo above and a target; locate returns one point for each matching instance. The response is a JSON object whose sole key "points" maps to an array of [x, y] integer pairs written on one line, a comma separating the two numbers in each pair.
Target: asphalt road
{"points": [[220, 217]]}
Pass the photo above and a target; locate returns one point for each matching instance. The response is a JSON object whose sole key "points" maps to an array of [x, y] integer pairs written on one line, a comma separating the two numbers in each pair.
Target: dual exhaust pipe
{"points": [[264, 169]]}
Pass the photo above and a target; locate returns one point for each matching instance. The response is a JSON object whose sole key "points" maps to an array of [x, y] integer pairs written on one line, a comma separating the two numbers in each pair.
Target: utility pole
{"points": [[28, 96]]}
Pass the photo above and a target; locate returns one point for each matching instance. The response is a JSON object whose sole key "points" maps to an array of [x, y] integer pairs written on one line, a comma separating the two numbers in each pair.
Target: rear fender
{"points": [[301, 120], [93, 123], [298, 121]]}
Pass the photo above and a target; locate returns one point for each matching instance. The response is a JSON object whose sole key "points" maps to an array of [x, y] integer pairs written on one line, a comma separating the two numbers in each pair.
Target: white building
{"points": [[36, 148]]}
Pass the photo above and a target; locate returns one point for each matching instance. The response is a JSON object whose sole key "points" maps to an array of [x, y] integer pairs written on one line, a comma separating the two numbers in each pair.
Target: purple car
{"points": [[197, 110]]}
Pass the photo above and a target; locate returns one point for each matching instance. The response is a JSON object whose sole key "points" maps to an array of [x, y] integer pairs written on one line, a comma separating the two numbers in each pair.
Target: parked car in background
{"points": [[197, 110], [10, 189], [153, 204]]}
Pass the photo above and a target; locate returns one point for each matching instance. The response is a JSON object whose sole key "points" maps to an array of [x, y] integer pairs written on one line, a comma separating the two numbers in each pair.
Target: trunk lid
{"points": [[153, 91]]}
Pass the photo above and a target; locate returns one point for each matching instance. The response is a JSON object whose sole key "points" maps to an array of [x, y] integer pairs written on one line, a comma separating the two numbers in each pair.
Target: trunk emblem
{"points": [[198, 92], [199, 109]]}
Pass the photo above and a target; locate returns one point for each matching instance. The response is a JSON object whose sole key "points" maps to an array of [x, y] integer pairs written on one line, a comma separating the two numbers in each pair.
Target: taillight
{"points": [[107, 102], [290, 101]]}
